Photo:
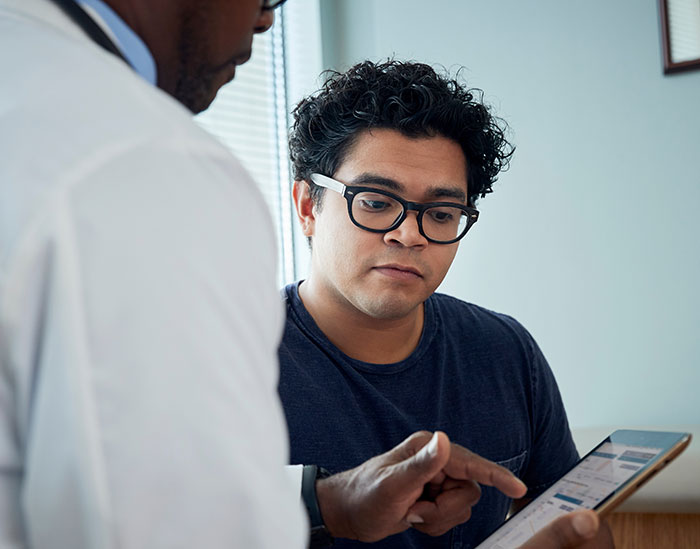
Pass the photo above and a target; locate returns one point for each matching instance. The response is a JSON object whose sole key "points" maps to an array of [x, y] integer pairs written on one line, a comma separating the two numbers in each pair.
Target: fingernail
{"points": [[433, 446], [584, 525], [414, 519]]}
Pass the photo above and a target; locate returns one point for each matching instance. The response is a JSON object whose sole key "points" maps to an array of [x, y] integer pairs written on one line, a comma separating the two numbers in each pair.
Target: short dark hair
{"points": [[409, 97]]}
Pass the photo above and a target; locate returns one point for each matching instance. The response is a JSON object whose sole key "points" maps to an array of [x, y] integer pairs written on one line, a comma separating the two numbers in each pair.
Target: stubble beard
{"points": [[386, 305], [194, 82]]}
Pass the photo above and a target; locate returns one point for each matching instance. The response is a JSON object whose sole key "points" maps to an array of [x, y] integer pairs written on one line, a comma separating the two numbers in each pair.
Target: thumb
{"points": [[568, 531], [423, 464]]}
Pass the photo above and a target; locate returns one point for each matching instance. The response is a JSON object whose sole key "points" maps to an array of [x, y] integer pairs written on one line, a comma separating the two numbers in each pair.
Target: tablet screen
{"points": [[593, 480]]}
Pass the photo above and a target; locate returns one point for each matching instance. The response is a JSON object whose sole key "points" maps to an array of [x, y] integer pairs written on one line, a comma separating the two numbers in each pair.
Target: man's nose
{"points": [[265, 20], [408, 234]]}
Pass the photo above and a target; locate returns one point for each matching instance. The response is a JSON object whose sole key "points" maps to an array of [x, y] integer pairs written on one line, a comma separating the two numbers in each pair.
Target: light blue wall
{"points": [[591, 239]]}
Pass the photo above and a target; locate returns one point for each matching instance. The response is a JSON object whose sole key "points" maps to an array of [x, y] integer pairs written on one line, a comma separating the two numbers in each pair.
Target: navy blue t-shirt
{"points": [[475, 374]]}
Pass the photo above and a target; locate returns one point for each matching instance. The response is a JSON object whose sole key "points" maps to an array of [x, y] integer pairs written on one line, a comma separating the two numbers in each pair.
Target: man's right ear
{"points": [[304, 206]]}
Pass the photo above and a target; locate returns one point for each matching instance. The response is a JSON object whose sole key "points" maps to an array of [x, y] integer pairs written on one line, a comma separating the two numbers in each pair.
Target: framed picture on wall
{"points": [[680, 34]]}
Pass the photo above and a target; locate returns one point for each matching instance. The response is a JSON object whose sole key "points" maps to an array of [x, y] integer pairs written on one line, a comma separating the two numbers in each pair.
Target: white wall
{"points": [[591, 239]]}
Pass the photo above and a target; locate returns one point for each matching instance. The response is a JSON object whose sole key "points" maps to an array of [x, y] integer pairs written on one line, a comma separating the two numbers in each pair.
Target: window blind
{"points": [[250, 115]]}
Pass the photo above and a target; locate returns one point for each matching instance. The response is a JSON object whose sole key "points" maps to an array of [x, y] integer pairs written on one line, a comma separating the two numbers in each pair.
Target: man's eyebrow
{"points": [[447, 192], [431, 193], [373, 179]]}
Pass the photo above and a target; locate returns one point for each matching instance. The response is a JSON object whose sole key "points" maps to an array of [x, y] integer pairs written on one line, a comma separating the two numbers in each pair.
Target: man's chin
{"points": [[197, 103], [196, 94], [203, 104], [389, 307]]}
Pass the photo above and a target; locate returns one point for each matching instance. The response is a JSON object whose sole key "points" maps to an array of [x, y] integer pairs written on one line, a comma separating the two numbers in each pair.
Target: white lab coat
{"points": [[139, 316]]}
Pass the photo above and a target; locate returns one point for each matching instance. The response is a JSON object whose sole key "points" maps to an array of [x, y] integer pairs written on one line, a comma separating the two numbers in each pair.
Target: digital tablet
{"points": [[601, 480]]}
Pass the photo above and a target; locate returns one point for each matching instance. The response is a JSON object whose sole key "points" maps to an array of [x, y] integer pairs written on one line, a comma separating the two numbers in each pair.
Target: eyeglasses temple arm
{"points": [[328, 183]]}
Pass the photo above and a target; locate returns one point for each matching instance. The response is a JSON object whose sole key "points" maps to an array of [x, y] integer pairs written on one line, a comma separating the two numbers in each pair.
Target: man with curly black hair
{"points": [[389, 160]]}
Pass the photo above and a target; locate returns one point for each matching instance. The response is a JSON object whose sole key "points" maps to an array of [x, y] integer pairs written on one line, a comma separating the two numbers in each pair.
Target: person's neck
{"points": [[358, 335]]}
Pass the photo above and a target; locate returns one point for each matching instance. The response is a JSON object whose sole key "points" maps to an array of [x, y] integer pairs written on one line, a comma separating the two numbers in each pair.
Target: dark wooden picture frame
{"points": [[671, 66]]}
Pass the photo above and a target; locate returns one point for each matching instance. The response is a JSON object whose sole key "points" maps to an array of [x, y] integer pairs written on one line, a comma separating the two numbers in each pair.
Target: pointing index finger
{"points": [[466, 465]]}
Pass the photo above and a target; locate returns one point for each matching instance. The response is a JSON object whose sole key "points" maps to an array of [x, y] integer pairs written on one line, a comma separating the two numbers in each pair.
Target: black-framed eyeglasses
{"points": [[380, 211], [272, 4]]}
